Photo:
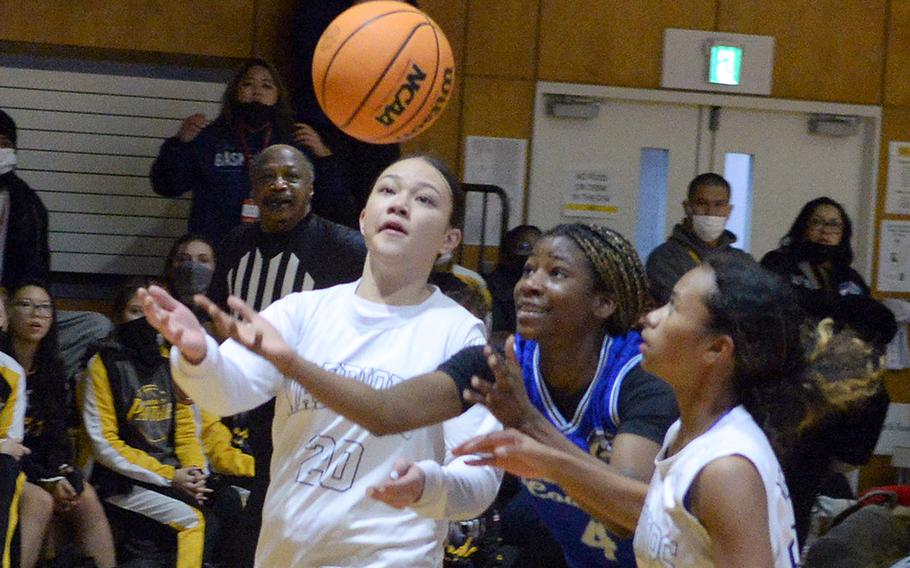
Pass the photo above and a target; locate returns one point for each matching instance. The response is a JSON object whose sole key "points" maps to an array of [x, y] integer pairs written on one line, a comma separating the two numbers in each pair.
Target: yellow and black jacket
{"points": [[136, 427], [12, 418]]}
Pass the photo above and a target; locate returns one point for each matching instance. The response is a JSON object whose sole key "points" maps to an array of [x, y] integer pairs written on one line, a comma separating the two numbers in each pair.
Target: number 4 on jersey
{"points": [[596, 536]]}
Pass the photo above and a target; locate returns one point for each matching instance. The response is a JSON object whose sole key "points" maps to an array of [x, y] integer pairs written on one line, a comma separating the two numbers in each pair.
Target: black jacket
{"points": [[26, 255]]}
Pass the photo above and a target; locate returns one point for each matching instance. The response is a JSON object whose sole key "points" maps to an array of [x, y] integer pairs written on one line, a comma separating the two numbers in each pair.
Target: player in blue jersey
{"points": [[582, 291]]}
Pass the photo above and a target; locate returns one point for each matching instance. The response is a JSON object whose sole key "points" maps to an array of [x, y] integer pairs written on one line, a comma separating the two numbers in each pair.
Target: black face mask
{"points": [[255, 114], [140, 338], [817, 253], [188, 279]]}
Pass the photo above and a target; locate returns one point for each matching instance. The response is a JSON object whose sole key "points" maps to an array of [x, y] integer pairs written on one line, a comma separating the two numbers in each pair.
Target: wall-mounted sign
{"points": [[725, 63]]}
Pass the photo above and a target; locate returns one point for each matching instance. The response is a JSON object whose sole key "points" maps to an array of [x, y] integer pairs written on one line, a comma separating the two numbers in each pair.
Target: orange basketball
{"points": [[383, 71]]}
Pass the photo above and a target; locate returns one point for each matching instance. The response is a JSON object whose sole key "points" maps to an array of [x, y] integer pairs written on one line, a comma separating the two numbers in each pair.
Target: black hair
{"points": [[456, 218], [616, 269], [796, 236], [127, 290], [8, 127], [284, 115], [47, 357], [709, 179], [786, 375]]}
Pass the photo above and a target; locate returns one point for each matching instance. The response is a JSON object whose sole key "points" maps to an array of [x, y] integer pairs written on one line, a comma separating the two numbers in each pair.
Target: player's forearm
{"points": [[408, 405], [606, 494]]}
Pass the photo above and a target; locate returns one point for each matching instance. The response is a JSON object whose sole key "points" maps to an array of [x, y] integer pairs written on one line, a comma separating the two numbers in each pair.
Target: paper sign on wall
{"points": [[894, 257], [589, 193], [494, 161], [896, 430], [897, 190]]}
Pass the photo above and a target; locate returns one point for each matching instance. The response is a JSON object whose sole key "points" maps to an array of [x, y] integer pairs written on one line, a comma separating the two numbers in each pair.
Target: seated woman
{"points": [[148, 457], [12, 421], [55, 491], [582, 290], [815, 257]]}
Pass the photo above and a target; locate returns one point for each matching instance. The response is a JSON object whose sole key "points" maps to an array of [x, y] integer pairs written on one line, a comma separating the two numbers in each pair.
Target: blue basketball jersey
{"points": [[584, 540]]}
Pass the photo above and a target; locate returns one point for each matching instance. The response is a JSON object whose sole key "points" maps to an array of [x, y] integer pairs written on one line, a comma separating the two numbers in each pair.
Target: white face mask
{"points": [[708, 228], [7, 160]]}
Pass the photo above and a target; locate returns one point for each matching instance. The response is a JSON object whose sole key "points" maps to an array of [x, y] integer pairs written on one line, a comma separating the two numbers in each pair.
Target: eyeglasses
{"points": [[834, 225], [30, 307]]}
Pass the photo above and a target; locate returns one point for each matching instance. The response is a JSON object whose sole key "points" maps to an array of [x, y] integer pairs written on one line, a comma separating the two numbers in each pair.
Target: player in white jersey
{"points": [[729, 344], [388, 326]]}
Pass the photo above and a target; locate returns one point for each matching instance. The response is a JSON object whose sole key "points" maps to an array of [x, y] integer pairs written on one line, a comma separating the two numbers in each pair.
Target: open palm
{"points": [[175, 322]]}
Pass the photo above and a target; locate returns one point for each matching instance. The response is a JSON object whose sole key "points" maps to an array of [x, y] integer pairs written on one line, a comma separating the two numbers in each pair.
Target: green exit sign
{"points": [[725, 63]]}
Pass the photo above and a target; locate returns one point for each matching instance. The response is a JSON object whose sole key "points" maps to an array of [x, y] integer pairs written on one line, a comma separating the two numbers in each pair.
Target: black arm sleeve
{"points": [[647, 406], [467, 363]]}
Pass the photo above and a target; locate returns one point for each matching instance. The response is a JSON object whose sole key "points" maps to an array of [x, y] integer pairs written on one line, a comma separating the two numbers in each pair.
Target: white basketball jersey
{"points": [[668, 535]]}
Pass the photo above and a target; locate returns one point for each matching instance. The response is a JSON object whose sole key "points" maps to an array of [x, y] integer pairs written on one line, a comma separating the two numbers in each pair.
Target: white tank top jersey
{"points": [[669, 536]]}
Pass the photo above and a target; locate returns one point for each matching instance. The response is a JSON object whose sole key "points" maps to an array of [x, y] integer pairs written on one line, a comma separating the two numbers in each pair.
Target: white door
{"points": [[651, 144], [631, 142], [790, 166]]}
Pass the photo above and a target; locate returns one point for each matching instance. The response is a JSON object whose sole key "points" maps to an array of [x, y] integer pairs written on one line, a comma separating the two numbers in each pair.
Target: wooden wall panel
{"points": [[498, 107], [612, 42], [273, 31], [198, 27], [443, 138], [502, 40], [450, 15], [827, 50], [897, 58]]}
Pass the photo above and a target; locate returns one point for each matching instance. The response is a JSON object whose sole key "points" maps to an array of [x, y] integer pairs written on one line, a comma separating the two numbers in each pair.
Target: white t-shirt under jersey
{"points": [[316, 511], [668, 535]]}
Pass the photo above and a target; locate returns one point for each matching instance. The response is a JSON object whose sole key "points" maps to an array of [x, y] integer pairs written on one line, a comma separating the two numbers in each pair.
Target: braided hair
{"points": [[617, 269]]}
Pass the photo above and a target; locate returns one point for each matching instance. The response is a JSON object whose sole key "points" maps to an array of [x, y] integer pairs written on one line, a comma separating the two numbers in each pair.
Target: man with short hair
{"points": [[701, 233], [288, 250]]}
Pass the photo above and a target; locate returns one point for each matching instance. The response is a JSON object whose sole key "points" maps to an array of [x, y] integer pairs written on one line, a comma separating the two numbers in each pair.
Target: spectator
{"points": [[12, 421], [149, 459], [212, 160], [25, 255], [24, 252], [289, 250], [55, 491], [701, 233], [189, 267], [814, 258], [513, 251]]}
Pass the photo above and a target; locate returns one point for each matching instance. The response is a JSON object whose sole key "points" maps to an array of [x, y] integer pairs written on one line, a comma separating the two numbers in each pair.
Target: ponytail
{"points": [[787, 376]]}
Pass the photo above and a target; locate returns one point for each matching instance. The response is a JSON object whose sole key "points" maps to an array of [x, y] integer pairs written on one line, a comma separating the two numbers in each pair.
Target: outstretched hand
{"points": [[506, 398], [511, 450], [252, 331], [175, 322]]}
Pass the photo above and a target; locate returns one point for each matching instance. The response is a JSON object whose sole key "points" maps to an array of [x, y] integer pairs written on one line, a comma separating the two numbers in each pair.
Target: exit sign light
{"points": [[725, 64]]}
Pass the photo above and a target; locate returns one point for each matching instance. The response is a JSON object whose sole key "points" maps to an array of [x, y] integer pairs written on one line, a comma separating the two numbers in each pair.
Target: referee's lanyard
{"points": [[695, 257]]}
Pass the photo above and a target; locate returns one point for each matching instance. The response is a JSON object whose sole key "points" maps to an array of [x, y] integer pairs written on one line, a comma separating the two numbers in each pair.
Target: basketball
{"points": [[383, 71]]}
